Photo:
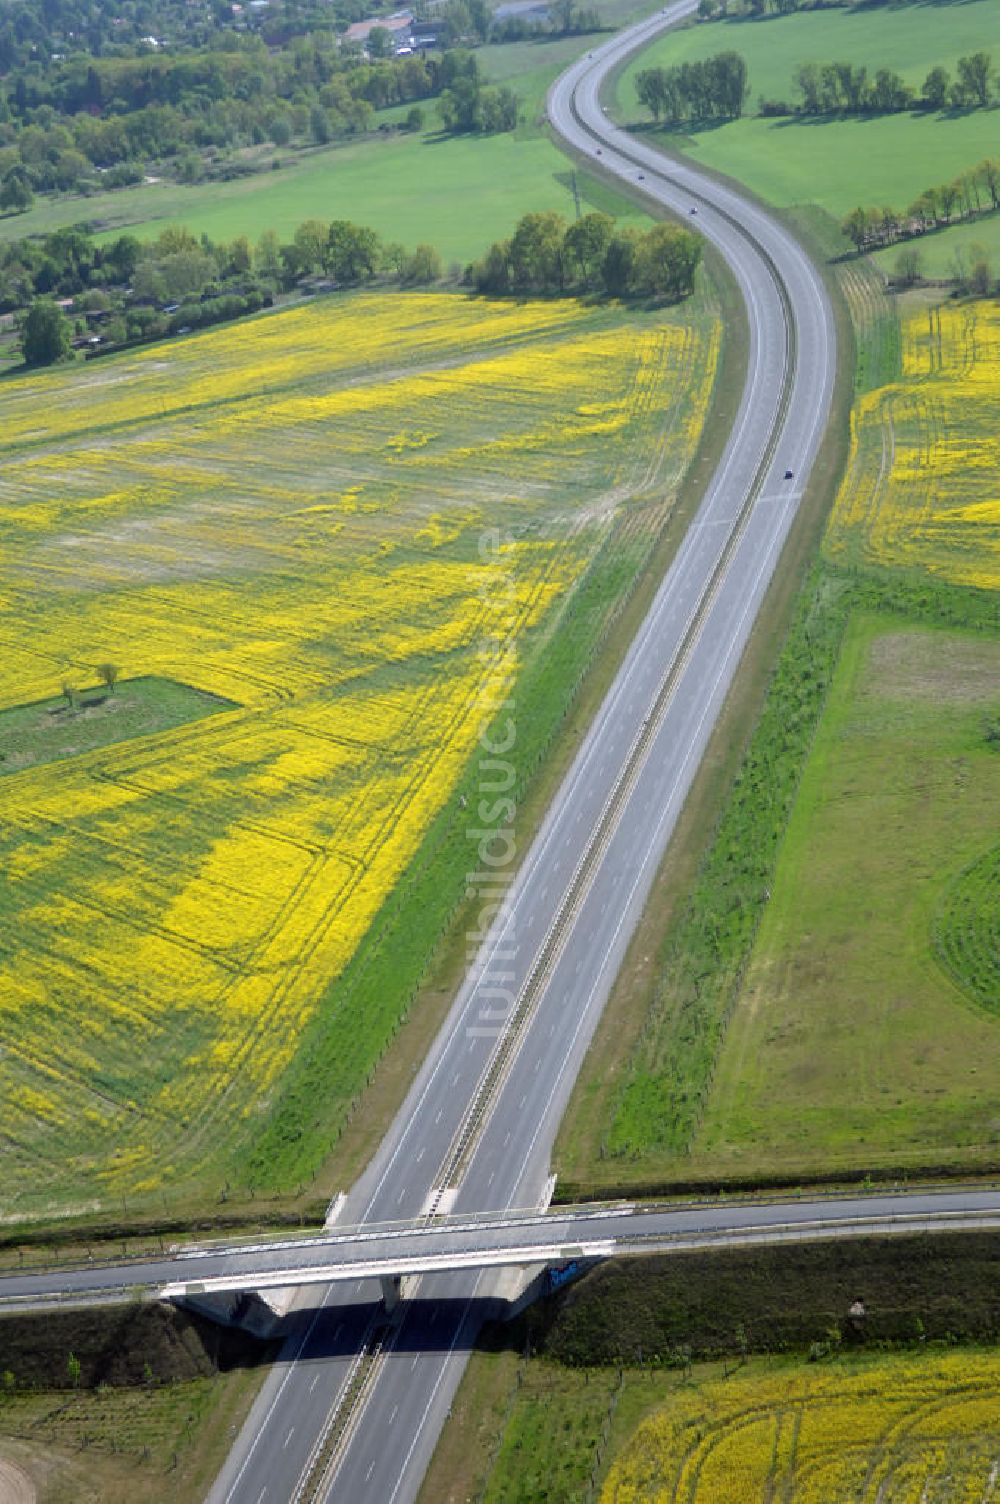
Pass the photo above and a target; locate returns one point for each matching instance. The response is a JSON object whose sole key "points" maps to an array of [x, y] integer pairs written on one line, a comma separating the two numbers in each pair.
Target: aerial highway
{"points": [[352, 1412], [353, 1409], [513, 1239]]}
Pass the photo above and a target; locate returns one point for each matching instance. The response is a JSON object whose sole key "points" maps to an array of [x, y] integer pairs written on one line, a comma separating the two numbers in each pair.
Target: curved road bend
{"points": [[581, 887]]}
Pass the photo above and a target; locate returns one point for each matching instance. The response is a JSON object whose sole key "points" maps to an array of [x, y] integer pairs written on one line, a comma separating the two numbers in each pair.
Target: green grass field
{"points": [[53, 729], [837, 164], [849, 1043], [819, 1003], [457, 194]]}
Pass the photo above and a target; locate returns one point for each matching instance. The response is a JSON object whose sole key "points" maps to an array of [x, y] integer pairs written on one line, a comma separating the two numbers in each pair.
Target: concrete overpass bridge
{"points": [[214, 1278]]}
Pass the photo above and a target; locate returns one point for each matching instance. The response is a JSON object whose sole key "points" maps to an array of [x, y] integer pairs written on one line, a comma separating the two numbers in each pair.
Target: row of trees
{"points": [[94, 123], [847, 89], [547, 255], [715, 89], [125, 291], [128, 291], [972, 193]]}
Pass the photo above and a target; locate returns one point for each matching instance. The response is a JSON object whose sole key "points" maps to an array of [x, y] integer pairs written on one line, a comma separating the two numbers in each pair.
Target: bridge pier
{"points": [[259, 1314], [392, 1289]]}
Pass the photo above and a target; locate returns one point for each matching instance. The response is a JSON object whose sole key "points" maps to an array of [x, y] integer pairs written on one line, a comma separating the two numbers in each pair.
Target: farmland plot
{"points": [[898, 1429], [288, 515], [921, 486]]}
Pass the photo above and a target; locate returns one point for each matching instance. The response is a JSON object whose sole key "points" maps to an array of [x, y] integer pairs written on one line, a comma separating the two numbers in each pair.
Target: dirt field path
{"points": [[15, 1486]]}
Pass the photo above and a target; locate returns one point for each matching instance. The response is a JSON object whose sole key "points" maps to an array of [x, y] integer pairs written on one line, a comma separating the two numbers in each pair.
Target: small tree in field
{"points": [[108, 675], [908, 266], [73, 1370], [68, 694]]}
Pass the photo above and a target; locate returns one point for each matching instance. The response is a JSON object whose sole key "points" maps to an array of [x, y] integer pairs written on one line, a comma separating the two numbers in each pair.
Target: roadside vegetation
{"points": [[844, 106], [740, 1374], [137, 1401], [288, 515], [127, 293], [823, 1007]]}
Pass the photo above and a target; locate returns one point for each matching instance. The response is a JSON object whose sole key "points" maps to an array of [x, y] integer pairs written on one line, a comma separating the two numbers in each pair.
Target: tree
{"points": [[858, 227], [807, 81], [422, 267], [266, 256], [935, 89], [352, 252], [379, 42], [496, 111], [980, 273], [651, 91], [319, 125], [728, 85], [989, 175], [108, 675], [47, 336], [491, 274], [619, 262], [537, 256], [974, 75], [311, 242], [586, 245], [459, 105], [15, 195], [666, 261], [948, 196], [908, 266], [889, 93], [73, 1370]]}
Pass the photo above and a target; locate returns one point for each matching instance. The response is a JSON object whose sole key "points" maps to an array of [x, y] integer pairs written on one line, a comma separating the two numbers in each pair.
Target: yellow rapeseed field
{"points": [[288, 514], [921, 489], [920, 1430]]}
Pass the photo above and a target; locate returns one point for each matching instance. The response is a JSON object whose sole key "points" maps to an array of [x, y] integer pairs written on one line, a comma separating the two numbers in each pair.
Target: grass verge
{"points": [[579, 1153]]}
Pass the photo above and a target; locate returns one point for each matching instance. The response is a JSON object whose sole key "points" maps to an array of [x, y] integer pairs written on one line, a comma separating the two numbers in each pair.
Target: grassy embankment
{"points": [[551, 1405], [825, 1003], [457, 193], [149, 1412], [293, 522], [836, 164]]}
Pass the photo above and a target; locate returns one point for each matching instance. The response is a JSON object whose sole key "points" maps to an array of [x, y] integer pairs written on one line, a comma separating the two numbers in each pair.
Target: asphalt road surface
{"points": [[560, 938], [515, 1238]]}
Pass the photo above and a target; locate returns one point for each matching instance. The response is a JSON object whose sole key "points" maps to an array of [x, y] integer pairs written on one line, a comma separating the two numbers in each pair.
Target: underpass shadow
{"points": [[415, 1326]]}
